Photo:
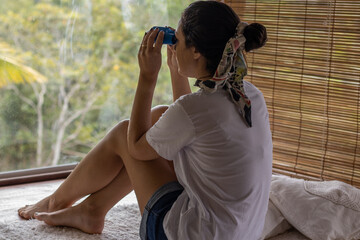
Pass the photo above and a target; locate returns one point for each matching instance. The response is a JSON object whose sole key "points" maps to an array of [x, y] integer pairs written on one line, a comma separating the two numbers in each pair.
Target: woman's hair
{"points": [[208, 26]]}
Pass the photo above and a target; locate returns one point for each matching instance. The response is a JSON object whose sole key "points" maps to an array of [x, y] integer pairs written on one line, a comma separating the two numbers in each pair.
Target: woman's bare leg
{"points": [[97, 170], [146, 177], [94, 172], [89, 215]]}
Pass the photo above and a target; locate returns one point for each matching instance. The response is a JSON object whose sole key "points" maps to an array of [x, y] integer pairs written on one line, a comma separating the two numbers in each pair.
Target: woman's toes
{"points": [[42, 217]]}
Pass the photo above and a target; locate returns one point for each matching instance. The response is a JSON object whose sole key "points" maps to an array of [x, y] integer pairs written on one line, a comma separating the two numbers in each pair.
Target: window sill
{"points": [[36, 174]]}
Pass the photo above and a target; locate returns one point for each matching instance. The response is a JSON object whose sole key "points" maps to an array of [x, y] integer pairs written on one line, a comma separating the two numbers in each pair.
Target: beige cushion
{"points": [[319, 210]]}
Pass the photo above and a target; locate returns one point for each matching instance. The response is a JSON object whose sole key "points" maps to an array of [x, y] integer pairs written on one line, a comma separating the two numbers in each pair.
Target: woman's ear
{"points": [[196, 53]]}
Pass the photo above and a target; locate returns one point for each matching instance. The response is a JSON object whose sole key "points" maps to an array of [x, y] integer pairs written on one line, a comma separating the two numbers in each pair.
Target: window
{"points": [[309, 72], [68, 72]]}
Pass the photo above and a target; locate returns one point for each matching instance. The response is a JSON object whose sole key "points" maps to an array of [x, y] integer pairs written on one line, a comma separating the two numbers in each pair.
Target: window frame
{"points": [[36, 174]]}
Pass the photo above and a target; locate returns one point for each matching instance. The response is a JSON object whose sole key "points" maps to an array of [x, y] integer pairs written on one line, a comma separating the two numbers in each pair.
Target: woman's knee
{"points": [[117, 136], [157, 111]]}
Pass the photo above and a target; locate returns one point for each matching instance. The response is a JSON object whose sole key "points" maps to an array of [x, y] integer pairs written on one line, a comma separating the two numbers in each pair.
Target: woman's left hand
{"points": [[149, 55], [171, 58]]}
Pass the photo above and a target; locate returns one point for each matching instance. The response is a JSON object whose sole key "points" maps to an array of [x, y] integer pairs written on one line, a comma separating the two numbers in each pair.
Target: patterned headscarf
{"points": [[230, 73]]}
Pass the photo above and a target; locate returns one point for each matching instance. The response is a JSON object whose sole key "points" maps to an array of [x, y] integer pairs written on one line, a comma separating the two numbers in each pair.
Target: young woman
{"points": [[200, 168]]}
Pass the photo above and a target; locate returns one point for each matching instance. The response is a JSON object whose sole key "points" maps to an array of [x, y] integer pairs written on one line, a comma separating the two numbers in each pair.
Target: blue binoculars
{"points": [[169, 37]]}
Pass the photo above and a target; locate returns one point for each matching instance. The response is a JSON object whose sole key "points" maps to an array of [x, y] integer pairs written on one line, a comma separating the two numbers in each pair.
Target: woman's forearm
{"points": [[149, 57], [180, 85], [140, 120]]}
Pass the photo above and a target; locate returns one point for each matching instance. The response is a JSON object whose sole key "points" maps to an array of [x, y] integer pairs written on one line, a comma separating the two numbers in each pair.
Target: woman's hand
{"points": [[149, 55], [171, 58]]}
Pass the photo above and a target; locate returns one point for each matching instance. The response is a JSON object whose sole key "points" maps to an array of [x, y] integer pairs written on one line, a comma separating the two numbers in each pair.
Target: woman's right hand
{"points": [[149, 55]]}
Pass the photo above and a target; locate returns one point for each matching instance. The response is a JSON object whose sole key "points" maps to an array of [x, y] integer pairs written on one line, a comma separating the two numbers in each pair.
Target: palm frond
{"points": [[12, 71]]}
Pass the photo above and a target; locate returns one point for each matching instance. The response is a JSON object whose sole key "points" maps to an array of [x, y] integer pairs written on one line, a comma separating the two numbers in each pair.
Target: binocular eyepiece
{"points": [[169, 36]]}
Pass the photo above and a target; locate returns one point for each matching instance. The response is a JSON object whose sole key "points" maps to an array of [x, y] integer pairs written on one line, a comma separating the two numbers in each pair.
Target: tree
{"points": [[88, 54]]}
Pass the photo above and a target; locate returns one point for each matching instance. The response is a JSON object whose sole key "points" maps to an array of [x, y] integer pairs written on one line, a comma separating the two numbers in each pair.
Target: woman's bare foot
{"points": [[82, 217], [48, 204]]}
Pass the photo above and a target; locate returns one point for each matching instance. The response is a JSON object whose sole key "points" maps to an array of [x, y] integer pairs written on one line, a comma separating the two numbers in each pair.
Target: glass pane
{"points": [[68, 72]]}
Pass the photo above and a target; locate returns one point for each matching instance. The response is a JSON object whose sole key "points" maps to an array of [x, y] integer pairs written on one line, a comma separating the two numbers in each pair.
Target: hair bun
{"points": [[255, 35]]}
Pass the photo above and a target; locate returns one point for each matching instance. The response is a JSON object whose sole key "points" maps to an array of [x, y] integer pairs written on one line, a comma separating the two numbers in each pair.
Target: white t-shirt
{"points": [[224, 166]]}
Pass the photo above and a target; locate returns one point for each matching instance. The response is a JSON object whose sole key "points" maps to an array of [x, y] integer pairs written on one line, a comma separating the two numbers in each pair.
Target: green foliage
{"points": [[88, 52]]}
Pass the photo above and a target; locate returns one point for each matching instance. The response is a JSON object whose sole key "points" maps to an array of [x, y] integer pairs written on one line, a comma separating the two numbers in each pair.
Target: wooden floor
{"points": [[16, 196]]}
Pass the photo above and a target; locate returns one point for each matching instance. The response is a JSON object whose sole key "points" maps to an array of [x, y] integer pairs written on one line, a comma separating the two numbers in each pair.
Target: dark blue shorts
{"points": [[151, 227]]}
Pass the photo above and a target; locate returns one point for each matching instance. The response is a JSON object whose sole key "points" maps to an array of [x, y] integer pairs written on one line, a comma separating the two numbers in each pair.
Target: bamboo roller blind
{"points": [[309, 72]]}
